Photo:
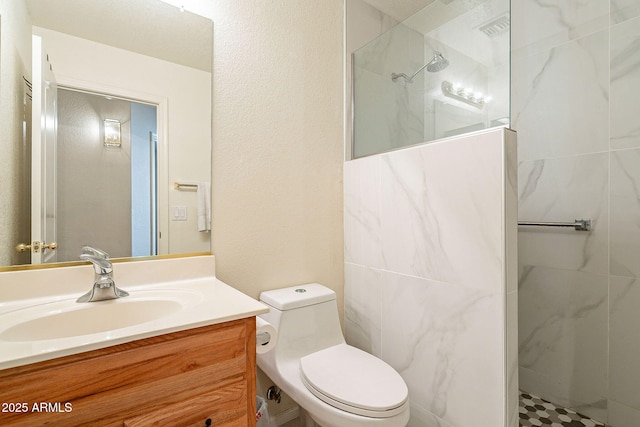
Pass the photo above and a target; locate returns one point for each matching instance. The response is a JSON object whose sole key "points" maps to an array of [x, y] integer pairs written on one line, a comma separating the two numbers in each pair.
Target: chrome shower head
{"points": [[438, 63]]}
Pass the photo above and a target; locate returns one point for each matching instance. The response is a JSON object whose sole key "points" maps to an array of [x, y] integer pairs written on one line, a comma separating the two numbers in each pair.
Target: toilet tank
{"points": [[306, 318]]}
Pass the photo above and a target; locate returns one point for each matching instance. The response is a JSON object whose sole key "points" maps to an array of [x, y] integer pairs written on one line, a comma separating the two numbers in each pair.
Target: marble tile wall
{"points": [[575, 99], [426, 274]]}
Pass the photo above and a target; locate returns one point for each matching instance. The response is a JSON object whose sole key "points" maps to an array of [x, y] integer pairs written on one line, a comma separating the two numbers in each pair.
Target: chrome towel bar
{"points": [[578, 224], [183, 186]]}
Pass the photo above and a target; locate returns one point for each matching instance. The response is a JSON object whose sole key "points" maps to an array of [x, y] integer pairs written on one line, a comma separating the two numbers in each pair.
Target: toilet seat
{"points": [[354, 381]]}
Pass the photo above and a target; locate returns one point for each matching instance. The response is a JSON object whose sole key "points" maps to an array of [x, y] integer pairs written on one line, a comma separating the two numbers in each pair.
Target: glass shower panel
{"points": [[443, 71]]}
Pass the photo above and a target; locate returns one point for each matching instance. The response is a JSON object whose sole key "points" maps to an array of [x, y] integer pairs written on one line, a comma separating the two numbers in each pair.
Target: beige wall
{"points": [[278, 143]]}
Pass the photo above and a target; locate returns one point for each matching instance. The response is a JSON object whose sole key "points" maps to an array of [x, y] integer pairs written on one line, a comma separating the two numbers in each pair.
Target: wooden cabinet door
{"points": [[178, 379]]}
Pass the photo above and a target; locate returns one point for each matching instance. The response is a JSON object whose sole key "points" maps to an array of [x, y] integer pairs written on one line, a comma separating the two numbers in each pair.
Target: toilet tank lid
{"points": [[297, 296]]}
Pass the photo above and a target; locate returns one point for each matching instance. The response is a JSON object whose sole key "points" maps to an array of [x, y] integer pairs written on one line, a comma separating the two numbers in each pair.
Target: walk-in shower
{"points": [[578, 291], [444, 71], [574, 105], [425, 290]]}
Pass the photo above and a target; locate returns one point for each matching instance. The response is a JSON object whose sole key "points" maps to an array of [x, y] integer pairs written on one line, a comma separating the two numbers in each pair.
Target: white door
{"points": [[43, 182], [153, 179]]}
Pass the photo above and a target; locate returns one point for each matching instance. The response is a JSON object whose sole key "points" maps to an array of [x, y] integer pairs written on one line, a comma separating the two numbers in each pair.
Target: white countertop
{"points": [[206, 301]]}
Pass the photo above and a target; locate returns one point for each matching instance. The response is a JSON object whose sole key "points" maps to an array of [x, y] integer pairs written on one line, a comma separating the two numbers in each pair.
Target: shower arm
{"points": [[408, 79]]}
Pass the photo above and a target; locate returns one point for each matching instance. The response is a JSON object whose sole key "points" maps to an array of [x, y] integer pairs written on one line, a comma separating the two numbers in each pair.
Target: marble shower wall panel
{"points": [[363, 307], [446, 341], [398, 50], [622, 10], [539, 26], [625, 84], [513, 403], [563, 337], [441, 209], [560, 99], [362, 212], [575, 97], [625, 214], [563, 281], [564, 189], [394, 115], [624, 363], [426, 271], [394, 110], [511, 262]]}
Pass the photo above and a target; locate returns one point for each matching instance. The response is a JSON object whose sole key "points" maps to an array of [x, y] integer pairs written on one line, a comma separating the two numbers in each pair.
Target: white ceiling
{"points": [[148, 27]]}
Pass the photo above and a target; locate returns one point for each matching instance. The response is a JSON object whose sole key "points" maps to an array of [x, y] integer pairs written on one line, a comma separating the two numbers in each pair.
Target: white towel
{"points": [[204, 206]]}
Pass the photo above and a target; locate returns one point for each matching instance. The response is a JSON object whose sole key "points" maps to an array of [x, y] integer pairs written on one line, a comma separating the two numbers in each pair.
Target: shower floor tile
{"points": [[535, 411]]}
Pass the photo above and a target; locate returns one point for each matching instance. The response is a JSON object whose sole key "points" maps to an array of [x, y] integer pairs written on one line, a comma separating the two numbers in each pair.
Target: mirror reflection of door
{"points": [[22, 206], [42, 243], [106, 174]]}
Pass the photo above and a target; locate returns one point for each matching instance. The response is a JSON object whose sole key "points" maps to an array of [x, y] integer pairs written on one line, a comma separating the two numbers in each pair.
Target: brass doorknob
{"points": [[53, 246], [21, 247]]}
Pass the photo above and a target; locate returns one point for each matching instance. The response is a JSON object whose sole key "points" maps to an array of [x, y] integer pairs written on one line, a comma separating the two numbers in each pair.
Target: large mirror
{"points": [[106, 129]]}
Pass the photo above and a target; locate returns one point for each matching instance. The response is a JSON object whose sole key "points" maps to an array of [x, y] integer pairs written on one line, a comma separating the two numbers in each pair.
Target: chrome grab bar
{"points": [[578, 224]]}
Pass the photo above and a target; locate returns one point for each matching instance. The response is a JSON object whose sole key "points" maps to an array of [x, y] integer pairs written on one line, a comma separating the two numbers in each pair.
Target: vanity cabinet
{"points": [[178, 379]]}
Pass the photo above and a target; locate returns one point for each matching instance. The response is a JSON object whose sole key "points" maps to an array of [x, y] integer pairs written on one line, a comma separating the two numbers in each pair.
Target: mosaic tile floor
{"points": [[535, 411]]}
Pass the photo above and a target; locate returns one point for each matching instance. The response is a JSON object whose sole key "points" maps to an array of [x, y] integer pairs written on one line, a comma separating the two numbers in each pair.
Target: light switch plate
{"points": [[178, 213]]}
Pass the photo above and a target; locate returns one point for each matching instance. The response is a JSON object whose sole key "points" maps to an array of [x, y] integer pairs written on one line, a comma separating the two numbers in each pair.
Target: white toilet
{"points": [[335, 384]]}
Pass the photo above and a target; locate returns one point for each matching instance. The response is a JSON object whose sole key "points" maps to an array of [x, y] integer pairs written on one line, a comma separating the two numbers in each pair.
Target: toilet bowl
{"points": [[337, 385]]}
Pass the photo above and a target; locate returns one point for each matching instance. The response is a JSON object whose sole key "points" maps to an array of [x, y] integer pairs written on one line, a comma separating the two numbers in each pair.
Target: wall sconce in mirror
{"points": [[112, 133]]}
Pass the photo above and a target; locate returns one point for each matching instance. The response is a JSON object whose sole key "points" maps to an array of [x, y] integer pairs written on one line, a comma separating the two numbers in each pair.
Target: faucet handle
{"points": [[101, 265], [99, 253], [104, 288]]}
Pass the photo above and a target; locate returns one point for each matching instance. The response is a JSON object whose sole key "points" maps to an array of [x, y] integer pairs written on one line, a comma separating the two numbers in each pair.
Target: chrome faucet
{"points": [[94, 251], [104, 287]]}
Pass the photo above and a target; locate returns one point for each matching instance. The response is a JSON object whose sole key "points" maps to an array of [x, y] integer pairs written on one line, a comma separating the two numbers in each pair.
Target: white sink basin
{"points": [[67, 318], [41, 320]]}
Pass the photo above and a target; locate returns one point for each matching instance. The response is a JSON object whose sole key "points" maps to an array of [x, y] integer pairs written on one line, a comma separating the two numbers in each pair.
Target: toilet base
{"points": [[305, 419]]}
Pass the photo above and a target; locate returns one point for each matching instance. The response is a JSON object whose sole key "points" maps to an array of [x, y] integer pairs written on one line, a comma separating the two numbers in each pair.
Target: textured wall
{"points": [[278, 143], [15, 62], [430, 274], [575, 98]]}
